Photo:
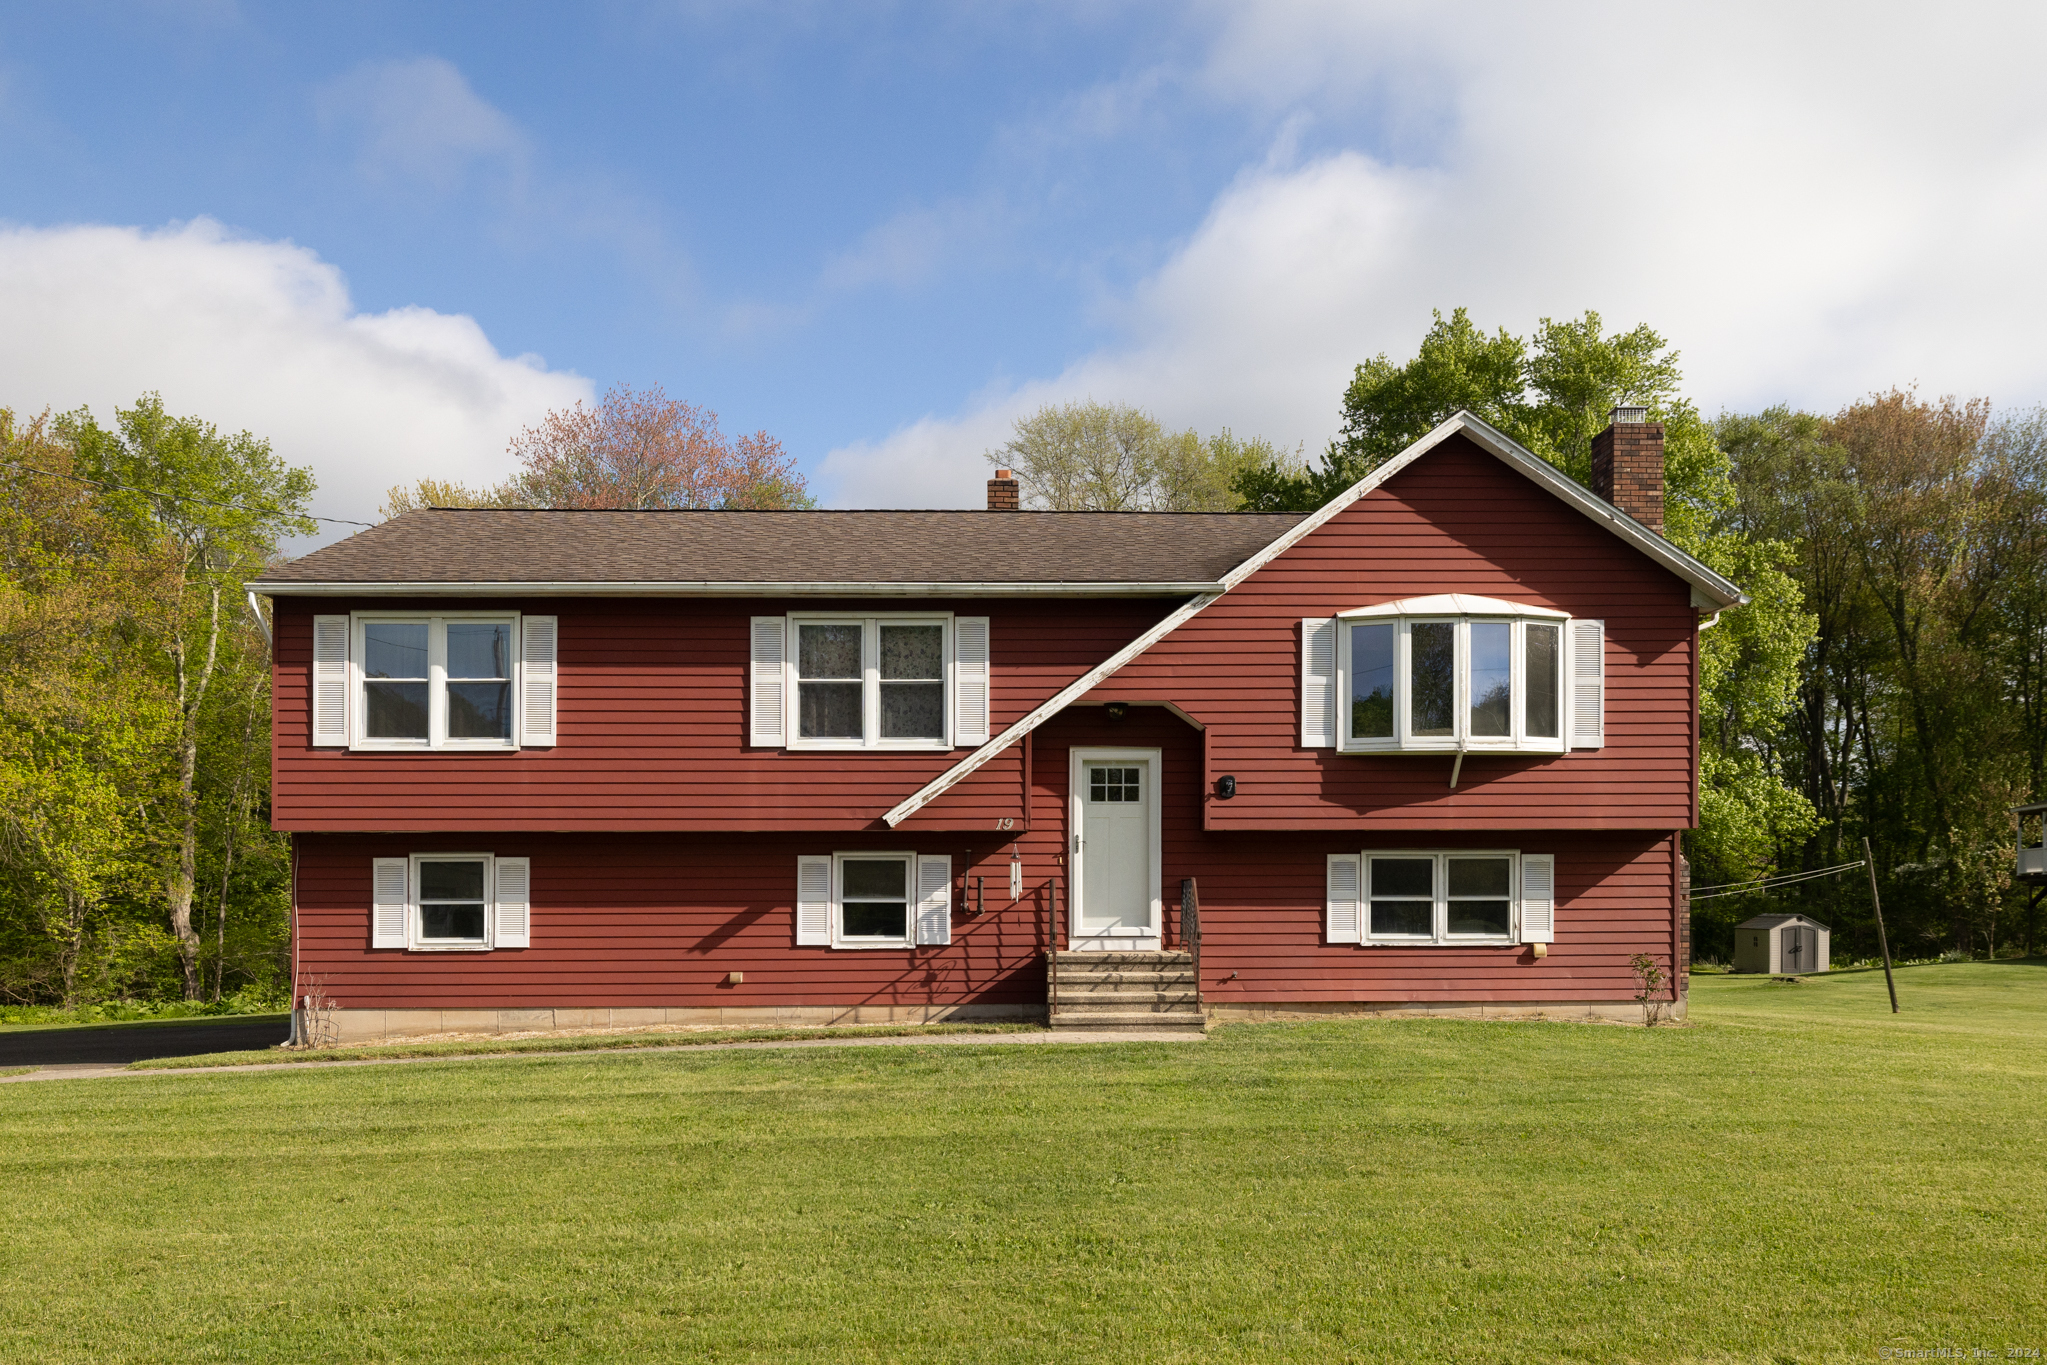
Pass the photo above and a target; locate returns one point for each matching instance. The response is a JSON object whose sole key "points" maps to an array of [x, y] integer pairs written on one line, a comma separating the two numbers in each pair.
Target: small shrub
{"points": [[1650, 978]]}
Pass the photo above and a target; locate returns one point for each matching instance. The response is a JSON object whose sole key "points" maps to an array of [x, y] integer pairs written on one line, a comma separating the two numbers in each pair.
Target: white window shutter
{"points": [[330, 680], [1588, 684], [813, 899], [970, 679], [1318, 683], [538, 690], [514, 903], [1538, 898], [391, 886], [934, 900], [768, 685], [1342, 920]]}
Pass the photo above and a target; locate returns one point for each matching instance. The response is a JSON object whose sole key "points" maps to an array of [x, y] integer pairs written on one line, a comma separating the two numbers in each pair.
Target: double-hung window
{"points": [[451, 902], [434, 680], [1441, 897], [870, 682], [1454, 674], [832, 680], [874, 900]]}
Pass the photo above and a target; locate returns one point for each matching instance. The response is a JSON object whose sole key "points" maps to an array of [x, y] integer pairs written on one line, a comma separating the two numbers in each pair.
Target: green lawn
{"points": [[1796, 1176]]}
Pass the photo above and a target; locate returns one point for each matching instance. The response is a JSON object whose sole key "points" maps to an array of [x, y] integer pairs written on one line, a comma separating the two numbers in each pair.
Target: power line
{"points": [[1769, 883], [179, 497]]}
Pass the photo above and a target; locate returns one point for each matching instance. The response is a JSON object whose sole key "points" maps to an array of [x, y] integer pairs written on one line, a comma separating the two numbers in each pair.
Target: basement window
{"points": [[1443, 898]]}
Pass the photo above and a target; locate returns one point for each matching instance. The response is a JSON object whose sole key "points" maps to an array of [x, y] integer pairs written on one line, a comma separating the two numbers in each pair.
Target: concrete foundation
{"points": [[373, 1026], [1620, 1012]]}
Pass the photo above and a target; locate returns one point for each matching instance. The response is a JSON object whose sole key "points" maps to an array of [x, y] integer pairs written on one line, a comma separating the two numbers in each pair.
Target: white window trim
{"points": [[437, 685], [870, 679], [909, 938], [1440, 937], [415, 941], [1461, 740]]}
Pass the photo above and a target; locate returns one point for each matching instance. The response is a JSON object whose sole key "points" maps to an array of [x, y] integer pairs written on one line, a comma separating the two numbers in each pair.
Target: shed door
{"points": [[1798, 946]]}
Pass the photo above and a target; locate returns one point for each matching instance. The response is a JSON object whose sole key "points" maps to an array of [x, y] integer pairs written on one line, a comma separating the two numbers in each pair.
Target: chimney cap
{"points": [[1629, 414], [1002, 474]]}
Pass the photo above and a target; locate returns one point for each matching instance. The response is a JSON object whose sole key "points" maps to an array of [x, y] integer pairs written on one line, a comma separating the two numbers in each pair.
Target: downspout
{"points": [[256, 610], [270, 650]]}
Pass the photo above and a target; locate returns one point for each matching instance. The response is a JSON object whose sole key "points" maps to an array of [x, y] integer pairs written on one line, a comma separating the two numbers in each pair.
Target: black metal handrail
{"points": [[1190, 927], [1052, 950]]}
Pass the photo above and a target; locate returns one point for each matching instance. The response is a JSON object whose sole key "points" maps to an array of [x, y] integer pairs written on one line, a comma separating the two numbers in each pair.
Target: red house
{"points": [[1428, 748]]}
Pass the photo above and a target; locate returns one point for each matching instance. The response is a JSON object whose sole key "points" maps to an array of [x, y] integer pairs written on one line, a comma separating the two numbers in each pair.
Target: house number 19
{"points": [[1005, 822]]}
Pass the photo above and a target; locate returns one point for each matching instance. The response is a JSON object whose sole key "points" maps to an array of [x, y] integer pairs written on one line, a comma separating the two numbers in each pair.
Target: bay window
{"points": [[1409, 681]]}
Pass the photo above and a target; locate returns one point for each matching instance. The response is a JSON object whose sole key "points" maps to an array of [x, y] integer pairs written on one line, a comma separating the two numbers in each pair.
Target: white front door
{"points": [[1115, 849]]}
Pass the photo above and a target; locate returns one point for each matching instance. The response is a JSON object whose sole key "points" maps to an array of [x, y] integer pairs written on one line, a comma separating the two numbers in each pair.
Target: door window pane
{"points": [[1492, 679], [1114, 784], [874, 898], [1543, 669], [451, 901], [1433, 678], [1371, 681], [828, 686], [1403, 894], [1481, 893]]}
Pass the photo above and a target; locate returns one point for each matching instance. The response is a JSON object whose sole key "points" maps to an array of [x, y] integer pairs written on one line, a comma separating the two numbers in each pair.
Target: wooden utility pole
{"points": [[1869, 861]]}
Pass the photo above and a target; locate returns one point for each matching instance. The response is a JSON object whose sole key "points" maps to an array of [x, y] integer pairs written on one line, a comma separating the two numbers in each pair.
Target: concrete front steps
{"points": [[1125, 991]]}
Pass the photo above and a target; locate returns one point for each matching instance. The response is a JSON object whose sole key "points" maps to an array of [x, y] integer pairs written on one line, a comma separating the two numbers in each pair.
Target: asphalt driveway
{"points": [[119, 1044]]}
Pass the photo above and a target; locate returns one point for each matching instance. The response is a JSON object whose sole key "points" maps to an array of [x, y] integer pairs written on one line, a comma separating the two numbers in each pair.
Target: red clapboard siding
{"points": [[641, 920], [652, 728], [1456, 521]]}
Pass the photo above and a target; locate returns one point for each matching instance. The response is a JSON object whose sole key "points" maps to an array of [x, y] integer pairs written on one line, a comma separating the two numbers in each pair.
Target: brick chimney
{"points": [[1004, 493], [1627, 465]]}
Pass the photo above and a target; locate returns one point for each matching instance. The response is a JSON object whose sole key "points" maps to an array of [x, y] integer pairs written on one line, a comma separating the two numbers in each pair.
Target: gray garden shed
{"points": [[1782, 945]]}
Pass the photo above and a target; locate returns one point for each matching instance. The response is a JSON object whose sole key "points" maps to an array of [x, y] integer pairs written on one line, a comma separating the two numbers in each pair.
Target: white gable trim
{"points": [[1717, 591]]}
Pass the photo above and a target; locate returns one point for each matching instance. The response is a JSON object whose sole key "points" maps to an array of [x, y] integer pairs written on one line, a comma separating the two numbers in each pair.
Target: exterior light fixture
{"points": [[1117, 709], [1225, 787]]}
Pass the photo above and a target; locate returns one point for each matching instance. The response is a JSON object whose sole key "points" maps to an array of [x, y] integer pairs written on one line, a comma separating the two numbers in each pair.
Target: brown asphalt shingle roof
{"points": [[449, 545]]}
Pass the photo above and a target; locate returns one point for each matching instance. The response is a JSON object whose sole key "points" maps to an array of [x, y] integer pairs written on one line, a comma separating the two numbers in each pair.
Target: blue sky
{"points": [[386, 235]]}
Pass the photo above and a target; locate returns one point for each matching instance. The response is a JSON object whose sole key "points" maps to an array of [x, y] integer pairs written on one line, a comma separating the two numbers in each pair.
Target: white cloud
{"points": [[1809, 208], [420, 120], [261, 335]]}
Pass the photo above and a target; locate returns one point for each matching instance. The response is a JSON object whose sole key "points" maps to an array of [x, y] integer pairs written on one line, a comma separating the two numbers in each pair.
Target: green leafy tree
{"points": [[218, 505], [1114, 457], [1389, 407]]}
